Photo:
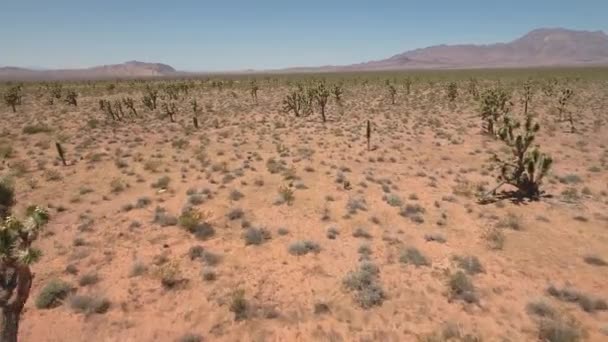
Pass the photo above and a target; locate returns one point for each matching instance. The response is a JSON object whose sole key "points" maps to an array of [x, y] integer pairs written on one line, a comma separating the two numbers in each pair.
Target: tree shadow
{"points": [[514, 197]]}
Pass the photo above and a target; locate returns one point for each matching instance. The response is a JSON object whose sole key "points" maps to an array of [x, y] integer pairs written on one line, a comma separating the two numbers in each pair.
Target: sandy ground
{"points": [[425, 152]]}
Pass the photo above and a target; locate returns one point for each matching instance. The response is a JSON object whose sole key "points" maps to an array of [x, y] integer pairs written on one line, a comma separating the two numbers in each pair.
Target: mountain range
{"points": [[541, 47]]}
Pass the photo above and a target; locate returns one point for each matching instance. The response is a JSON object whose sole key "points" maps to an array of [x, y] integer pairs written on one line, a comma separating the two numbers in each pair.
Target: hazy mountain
{"points": [[125, 70], [541, 47]]}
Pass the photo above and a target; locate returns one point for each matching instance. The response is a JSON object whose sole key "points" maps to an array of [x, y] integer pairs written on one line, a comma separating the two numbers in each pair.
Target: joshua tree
{"points": [[293, 102], [321, 96], [527, 166], [195, 107], [55, 91], [170, 109], [16, 257], [130, 103], [12, 97], [118, 109], [408, 85], [368, 135], [472, 88], [495, 104], [337, 91], [253, 89], [71, 98], [392, 92], [528, 93], [452, 91], [562, 102], [149, 99]]}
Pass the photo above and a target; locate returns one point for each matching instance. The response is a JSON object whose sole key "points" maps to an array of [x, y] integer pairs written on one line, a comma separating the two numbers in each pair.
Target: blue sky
{"points": [[262, 34]]}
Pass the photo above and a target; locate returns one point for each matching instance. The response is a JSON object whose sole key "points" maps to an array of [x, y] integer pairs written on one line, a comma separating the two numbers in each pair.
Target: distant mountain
{"points": [[541, 47], [130, 69]]}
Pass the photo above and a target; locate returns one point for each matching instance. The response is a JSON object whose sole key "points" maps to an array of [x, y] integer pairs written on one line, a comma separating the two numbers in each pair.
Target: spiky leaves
{"points": [[495, 104], [527, 166]]}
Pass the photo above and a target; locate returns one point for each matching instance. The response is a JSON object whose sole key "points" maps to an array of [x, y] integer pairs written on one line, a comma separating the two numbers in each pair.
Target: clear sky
{"points": [[262, 34]]}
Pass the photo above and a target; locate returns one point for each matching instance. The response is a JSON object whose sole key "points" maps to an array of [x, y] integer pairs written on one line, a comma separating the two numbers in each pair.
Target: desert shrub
{"points": [[558, 330], [414, 212], [412, 256], [196, 223], [304, 247], [89, 304], [332, 233], [362, 233], [36, 128], [256, 236], [88, 279], [239, 305], [53, 294], [163, 218], [587, 303], [365, 283], [469, 264], [595, 260], [461, 287], [190, 338], [541, 308], [162, 183]]}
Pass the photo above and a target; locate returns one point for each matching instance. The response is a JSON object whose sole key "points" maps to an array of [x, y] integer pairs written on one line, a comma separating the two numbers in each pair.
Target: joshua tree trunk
{"points": [[323, 113], [12, 306], [14, 109]]}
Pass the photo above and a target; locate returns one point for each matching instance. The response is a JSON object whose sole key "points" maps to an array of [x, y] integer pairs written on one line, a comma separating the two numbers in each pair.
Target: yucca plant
{"points": [[392, 92], [452, 91], [321, 96], [130, 103], [170, 109], [495, 104], [527, 166], [253, 90], [71, 98], [527, 95], [562, 102], [12, 97], [337, 91], [16, 256]]}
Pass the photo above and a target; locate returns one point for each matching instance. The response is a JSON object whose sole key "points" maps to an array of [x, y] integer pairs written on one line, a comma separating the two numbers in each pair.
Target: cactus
{"points": [[408, 85], [12, 97], [528, 166], [563, 101], [61, 154], [16, 257], [294, 102], [528, 93], [130, 103], [392, 92], [321, 96], [71, 98], [472, 88], [194, 105], [495, 104], [149, 99], [337, 91], [253, 89], [170, 109], [452, 91], [118, 109]]}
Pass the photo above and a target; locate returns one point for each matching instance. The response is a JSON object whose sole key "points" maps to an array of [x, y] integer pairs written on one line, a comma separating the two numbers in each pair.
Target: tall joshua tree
{"points": [[16, 256], [321, 96]]}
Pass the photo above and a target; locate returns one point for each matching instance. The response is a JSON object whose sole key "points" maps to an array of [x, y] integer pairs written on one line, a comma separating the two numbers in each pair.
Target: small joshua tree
{"points": [[118, 109], [12, 97], [527, 166], [293, 102], [130, 103], [452, 91], [71, 98], [562, 102], [253, 89], [170, 109], [408, 86], [528, 94], [149, 99], [16, 257], [392, 92], [321, 96], [195, 107], [55, 91], [495, 104], [472, 88], [337, 91]]}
